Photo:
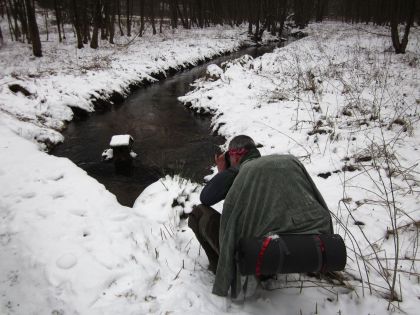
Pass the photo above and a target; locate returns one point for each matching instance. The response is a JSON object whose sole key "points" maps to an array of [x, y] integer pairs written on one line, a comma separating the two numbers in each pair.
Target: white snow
{"points": [[348, 107], [108, 154], [214, 72], [120, 140], [66, 261], [68, 247]]}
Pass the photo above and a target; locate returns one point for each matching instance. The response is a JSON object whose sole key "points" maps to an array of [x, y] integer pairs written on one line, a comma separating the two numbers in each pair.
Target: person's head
{"points": [[238, 147]]}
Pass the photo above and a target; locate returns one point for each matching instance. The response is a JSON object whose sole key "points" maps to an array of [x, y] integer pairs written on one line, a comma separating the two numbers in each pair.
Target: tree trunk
{"points": [[96, 23], [62, 29], [186, 14], [400, 47], [33, 29], [85, 24], [181, 16], [10, 22], [282, 16], [320, 9], [16, 27], [58, 20], [162, 7], [142, 14], [1, 37], [250, 17], [119, 17], [200, 13], [257, 21], [127, 13], [104, 19], [174, 14], [76, 23], [111, 21], [46, 23], [191, 14], [22, 17], [152, 16], [2, 8]]}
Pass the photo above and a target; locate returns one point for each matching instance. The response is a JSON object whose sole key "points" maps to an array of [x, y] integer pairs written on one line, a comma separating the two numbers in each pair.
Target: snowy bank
{"points": [[348, 107], [39, 95]]}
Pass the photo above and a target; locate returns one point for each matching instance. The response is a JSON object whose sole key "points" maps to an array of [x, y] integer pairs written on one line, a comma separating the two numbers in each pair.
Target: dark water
{"points": [[169, 138]]}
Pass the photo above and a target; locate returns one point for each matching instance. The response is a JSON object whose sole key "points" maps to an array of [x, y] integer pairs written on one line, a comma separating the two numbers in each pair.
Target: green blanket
{"points": [[271, 194]]}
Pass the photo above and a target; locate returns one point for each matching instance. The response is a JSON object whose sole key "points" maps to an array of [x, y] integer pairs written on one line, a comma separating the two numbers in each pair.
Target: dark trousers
{"points": [[205, 222]]}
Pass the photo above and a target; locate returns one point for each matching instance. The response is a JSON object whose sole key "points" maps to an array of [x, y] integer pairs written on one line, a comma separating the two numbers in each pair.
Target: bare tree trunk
{"points": [[257, 21], [142, 14], [162, 7], [62, 29], [250, 17], [119, 17], [400, 47], [2, 8], [1, 37], [185, 25], [16, 28], [320, 9], [33, 29], [46, 23], [127, 14], [283, 15], [85, 23], [58, 20], [10, 22], [22, 16], [103, 22], [152, 15], [185, 14], [200, 13], [96, 22], [191, 14], [111, 21], [76, 23], [174, 13]]}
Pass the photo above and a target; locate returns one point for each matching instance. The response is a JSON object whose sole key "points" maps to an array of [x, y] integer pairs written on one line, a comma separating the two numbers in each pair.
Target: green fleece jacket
{"points": [[271, 194]]}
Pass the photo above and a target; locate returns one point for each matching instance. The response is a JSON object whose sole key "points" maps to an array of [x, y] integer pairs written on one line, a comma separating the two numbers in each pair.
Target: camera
{"points": [[227, 159]]}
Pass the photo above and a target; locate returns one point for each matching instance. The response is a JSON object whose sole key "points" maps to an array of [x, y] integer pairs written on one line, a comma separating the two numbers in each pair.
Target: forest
{"points": [[94, 19]]}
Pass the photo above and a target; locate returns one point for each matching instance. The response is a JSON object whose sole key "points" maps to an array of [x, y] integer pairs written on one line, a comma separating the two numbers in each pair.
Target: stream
{"points": [[168, 137]]}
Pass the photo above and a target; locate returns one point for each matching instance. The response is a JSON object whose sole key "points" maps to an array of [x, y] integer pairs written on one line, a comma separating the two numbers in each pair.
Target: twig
{"points": [[306, 150]]}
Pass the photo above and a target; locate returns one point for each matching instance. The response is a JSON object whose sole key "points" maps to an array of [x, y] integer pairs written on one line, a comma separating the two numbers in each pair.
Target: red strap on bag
{"points": [[323, 254], [258, 265]]}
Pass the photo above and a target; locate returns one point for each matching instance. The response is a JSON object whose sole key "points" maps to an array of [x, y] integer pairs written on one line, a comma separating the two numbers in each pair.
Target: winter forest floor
{"points": [[339, 99]]}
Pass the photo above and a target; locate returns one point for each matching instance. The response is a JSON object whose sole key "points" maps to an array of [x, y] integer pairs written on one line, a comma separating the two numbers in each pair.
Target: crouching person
{"points": [[262, 196]]}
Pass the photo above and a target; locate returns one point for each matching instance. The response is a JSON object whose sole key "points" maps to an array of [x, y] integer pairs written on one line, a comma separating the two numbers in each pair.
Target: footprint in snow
{"points": [[28, 195], [56, 177], [57, 195], [78, 212], [66, 261]]}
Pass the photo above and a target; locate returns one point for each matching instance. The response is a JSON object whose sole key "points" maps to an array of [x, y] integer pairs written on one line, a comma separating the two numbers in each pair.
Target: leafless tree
{"points": [[57, 10], [96, 24], [33, 29], [400, 46]]}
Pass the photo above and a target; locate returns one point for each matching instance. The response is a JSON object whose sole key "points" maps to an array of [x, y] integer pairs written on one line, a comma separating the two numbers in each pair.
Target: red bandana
{"points": [[238, 152]]}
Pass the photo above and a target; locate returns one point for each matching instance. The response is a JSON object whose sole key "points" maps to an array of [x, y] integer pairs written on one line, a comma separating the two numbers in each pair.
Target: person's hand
{"points": [[220, 162]]}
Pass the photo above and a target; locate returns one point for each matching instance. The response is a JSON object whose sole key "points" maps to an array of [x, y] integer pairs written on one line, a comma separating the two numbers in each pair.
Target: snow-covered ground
{"points": [[334, 99], [344, 103]]}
